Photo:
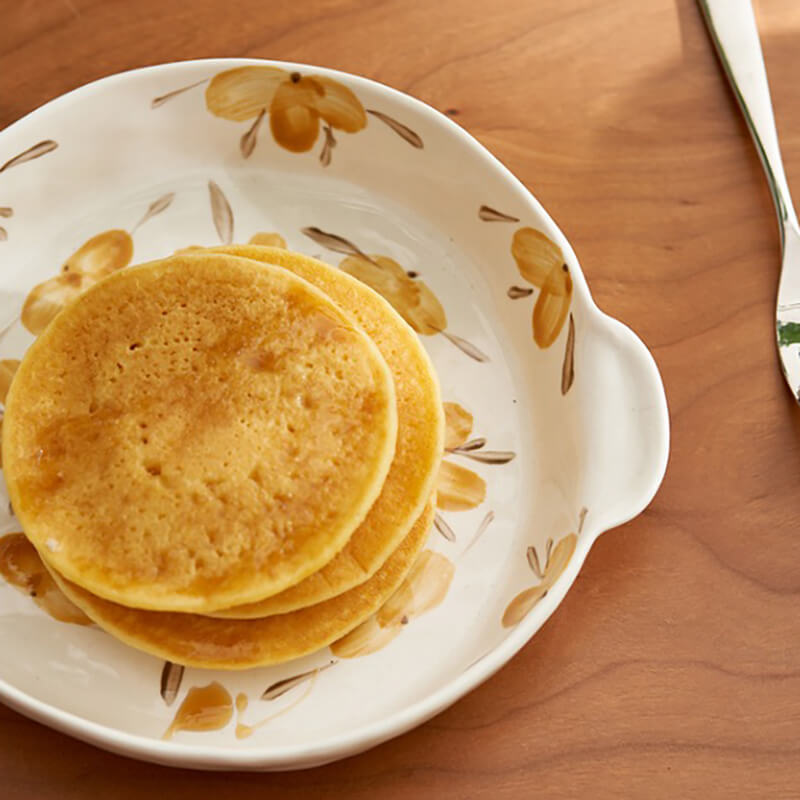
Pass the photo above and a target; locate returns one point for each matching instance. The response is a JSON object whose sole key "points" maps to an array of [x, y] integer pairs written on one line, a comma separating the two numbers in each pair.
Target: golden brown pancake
{"points": [[420, 436], [196, 433], [200, 641]]}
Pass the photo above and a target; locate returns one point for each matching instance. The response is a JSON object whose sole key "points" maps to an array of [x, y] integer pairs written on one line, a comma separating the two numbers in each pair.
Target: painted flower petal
{"points": [[8, 367], [339, 107], [412, 299], [99, 256], [518, 608], [292, 117], [242, 93], [458, 488], [457, 425], [268, 240], [48, 298], [426, 315], [423, 589], [381, 272], [559, 281], [295, 128], [559, 559], [367, 638], [102, 254], [550, 312], [536, 255], [557, 562]]}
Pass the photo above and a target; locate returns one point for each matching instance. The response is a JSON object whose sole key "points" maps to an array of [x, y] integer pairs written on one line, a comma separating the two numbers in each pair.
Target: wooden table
{"points": [[673, 667]]}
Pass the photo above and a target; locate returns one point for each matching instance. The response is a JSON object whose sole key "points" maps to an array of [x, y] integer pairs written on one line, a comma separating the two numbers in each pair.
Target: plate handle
{"points": [[625, 423]]}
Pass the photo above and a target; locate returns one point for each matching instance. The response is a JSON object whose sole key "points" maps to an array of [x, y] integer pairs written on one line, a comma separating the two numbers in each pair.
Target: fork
{"points": [[733, 30]]}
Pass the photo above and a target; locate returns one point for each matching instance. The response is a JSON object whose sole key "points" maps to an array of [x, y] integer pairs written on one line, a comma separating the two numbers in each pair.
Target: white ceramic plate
{"points": [[570, 433]]}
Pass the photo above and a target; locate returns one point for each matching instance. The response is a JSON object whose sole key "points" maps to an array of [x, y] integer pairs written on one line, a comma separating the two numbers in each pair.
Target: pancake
{"points": [[197, 433], [200, 641], [420, 436]]}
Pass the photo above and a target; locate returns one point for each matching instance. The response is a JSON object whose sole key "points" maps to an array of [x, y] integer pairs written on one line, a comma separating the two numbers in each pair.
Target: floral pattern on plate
{"points": [[409, 295], [35, 151], [298, 106]]}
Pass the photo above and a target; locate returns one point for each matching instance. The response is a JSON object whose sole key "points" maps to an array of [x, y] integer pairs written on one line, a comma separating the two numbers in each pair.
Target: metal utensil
{"points": [[732, 26]]}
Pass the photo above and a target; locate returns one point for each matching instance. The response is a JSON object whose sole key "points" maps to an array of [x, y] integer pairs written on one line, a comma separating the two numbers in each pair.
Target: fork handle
{"points": [[732, 26]]}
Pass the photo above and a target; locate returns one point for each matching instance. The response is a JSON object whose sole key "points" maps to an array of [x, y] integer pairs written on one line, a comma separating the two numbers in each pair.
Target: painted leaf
{"points": [[568, 368], [244, 731], [37, 151], [327, 148], [338, 106], [403, 131], [485, 523], [8, 368], [155, 208], [458, 489], [473, 444], [3, 234], [280, 688], [536, 255], [441, 525], [458, 425], [333, 242], [424, 588], [533, 562], [293, 117], [161, 99], [466, 347], [268, 240], [248, 141], [5, 211], [369, 637], [488, 214], [171, 677], [221, 213], [488, 456], [550, 313], [412, 299], [515, 292], [242, 93]]}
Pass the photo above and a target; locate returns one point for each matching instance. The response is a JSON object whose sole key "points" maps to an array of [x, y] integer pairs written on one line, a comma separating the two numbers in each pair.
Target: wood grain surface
{"points": [[672, 669]]}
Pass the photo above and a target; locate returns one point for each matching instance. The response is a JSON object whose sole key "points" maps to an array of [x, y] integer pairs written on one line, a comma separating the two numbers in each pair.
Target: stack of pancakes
{"points": [[226, 458]]}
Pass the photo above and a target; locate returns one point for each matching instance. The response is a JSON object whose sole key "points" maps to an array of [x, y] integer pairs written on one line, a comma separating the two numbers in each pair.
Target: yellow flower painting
{"points": [[300, 107]]}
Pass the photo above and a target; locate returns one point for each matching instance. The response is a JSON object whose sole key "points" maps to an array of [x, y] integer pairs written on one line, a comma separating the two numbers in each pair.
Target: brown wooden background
{"points": [[673, 667]]}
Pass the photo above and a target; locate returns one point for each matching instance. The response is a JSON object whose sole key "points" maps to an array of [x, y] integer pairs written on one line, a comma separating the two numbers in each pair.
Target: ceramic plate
{"points": [[559, 422]]}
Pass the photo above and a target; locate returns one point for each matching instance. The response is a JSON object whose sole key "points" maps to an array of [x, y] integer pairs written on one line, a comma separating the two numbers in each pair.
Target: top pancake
{"points": [[197, 433], [420, 436]]}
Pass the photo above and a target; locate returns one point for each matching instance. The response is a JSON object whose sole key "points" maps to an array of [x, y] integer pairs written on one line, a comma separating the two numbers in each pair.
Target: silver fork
{"points": [[733, 29]]}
